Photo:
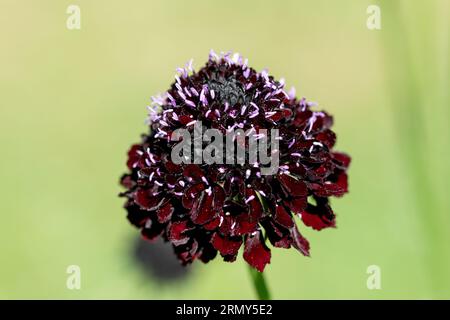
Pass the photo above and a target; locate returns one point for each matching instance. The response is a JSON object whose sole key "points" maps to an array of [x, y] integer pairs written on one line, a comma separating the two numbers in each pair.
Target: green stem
{"points": [[260, 284]]}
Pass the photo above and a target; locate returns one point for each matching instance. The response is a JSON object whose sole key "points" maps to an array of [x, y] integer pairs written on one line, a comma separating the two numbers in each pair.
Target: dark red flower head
{"points": [[204, 208]]}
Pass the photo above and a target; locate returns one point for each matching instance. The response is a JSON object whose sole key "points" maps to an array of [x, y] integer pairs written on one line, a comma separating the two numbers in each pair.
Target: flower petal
{"points": [[191, 194], [256, 252], [227, 246], [293, 187], [164, 213], [176, 233], [297, 205], [147, 200], [299, 242], [320, 216], [282, 217], [279, 237], [202, 210]]}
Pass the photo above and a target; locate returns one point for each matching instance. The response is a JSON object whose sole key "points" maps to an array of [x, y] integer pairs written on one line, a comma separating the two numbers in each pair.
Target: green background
{"points": [[73, 101]]}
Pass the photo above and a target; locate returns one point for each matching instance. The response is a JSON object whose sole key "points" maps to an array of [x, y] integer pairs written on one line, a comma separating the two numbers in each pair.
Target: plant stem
{"points": [[260, 284]]}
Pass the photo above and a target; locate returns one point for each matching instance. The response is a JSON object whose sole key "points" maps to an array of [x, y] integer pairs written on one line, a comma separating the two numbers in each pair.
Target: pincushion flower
{"points": [[203, 209]]}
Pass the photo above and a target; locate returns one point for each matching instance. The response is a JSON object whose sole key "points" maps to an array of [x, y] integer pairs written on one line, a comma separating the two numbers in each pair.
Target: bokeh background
{"points": [[72, 102]]}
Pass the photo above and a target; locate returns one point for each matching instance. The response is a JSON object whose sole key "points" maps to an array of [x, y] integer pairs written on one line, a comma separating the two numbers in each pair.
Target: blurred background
{"points": [[73, 101]]}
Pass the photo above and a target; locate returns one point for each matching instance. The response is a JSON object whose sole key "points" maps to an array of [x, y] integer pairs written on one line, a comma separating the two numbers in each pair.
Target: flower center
{"points": [[228, 90]]}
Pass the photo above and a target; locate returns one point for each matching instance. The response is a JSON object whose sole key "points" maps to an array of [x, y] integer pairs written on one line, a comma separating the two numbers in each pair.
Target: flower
{"points": [[204, 209]]}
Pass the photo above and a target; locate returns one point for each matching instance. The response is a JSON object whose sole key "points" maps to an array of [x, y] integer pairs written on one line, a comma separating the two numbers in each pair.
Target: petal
{"points": [[299, 242], [172, 167], [342, 158], [165, 213], [227, 246], [219, 198], [134, 154], [152, 229], [176, 233], [320, 216], [147, 200], [136, 216], [236, 220], [335, 188], [293, 187], [187, 253], [297, 205], [245, 224], [127, 181], [213, 224], [279, 237], [282, 217], [255, 207], [208, 253], [194, 172], [256, 252], [202, 210], [280, 114], [327, 137], [191, 194]]}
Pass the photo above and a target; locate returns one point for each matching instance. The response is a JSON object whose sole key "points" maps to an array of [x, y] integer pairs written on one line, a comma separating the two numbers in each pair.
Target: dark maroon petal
{"points": [[297, 169], [282, 217], [255, 207], [151, 230], [302, 118], [146, 199], [331, 188], [188, 252], [299, 242], [172, 167], [297, 205], [165, 213], [263, 188], [134, 154], [294, 187], [213, 224], [230, 258], [127, 181], [235, 220], [342, 159], [136, 216], [208, 253], [256, 252], [234, 184], [227, 246], [219, 199], [227, 225], [322, 121], [177, 233], [191, 194], [278, 236], [185, 119], [316, 222], [281, 114], [245, 224], [320, 216], [194, 172], [327, 137], [202, 211]]}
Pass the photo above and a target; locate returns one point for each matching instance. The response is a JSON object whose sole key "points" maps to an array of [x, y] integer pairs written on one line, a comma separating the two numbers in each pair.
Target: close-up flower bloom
{"points": [[203, 209]]}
